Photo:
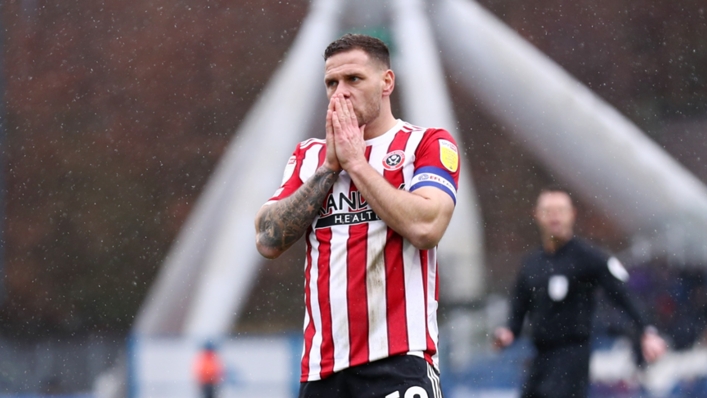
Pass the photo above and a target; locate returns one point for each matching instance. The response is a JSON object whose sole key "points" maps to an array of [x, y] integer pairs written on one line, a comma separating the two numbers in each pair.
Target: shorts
{"points": [[401, 376], [559, 372]]}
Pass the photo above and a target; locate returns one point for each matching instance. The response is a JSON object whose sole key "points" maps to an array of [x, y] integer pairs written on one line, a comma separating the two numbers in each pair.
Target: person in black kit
{"points": [[555, 288]]}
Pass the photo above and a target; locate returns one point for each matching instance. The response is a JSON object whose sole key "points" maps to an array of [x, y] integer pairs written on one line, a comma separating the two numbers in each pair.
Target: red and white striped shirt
{"points": [[369, 293]]}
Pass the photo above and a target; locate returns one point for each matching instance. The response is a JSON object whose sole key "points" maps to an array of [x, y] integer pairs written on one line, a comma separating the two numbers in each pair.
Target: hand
{"points": [[503, 337], [652, 345], [331, 161], [348, 136]]}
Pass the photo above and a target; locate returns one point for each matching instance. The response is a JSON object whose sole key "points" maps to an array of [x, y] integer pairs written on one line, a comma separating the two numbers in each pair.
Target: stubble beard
{"points": [[368, 114]]}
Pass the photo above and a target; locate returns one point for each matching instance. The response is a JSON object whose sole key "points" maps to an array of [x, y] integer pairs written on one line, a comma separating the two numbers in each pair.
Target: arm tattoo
{"points": [[286, 221]]}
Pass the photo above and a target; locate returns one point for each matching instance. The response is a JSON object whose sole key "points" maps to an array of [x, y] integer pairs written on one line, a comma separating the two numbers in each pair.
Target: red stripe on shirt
{"points": [[327, 364], [398, 341], [356, 295], [322, 156], [395, 294], [294, 182], [309, 329], [424, 263]]}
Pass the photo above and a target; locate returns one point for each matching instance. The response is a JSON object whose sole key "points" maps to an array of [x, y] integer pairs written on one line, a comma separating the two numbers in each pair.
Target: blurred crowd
{"points": [[674, 299]]}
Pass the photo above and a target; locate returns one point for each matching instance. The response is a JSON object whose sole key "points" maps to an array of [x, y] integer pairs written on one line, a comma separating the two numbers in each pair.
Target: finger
{"points": [[332, 102], [352, 114], [329, 125], [342, 109], [335, 121], [338, 122]]}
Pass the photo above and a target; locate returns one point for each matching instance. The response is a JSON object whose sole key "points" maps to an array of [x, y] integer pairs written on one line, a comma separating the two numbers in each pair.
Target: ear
{"points": [[388, 82]]}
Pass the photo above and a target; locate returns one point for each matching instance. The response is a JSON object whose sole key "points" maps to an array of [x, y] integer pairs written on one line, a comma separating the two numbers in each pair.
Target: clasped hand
{"points": [[344, 138]]}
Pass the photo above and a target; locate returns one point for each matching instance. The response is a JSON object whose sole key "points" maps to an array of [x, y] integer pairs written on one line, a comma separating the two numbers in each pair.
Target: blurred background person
{"points": [[208, 370], [555, 288]]}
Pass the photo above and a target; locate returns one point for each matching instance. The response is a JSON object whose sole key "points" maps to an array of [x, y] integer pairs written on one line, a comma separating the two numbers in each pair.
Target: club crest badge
{"points": [[394, 160], [557, 287], [449, 155]]}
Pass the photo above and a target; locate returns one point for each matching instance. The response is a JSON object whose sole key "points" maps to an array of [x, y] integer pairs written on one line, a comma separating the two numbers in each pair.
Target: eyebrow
{"points": [[345, 76]]}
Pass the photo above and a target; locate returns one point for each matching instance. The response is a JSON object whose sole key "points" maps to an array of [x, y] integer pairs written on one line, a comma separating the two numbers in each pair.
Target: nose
{"points": [[342, 89]]}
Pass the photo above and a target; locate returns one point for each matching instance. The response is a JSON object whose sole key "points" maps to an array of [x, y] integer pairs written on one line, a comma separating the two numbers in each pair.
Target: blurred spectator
{"points": [[208, 370]]}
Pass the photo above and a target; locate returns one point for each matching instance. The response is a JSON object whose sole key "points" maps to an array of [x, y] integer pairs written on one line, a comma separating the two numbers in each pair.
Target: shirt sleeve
{"points": [[520, 303], [612, 277], [437, 163], [291, 179]]}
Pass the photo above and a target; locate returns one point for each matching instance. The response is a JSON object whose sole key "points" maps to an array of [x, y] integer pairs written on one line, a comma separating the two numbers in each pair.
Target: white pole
{"points": [[280, 119], [592, 147], [426, 102]]}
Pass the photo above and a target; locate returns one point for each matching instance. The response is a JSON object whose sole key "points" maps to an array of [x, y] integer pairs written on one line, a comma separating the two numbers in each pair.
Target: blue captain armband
{"points": [[437, 177]]}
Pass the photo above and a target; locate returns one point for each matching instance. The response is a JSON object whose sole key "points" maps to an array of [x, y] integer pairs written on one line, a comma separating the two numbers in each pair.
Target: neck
{"points": [[552, 244], [384, 122]]}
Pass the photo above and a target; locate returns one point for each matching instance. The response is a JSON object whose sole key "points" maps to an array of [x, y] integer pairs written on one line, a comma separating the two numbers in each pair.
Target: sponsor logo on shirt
{"points": [[448, 155], [346, 219], [394, 160], [353, 202], [347, 210]]}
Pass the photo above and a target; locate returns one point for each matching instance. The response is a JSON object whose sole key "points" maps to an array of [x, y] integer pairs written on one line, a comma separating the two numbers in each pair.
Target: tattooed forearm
{"points": [[284, 222]]}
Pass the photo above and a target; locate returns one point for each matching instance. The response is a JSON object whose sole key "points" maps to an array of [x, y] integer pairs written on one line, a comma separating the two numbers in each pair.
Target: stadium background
{"points": [[116, 112]]}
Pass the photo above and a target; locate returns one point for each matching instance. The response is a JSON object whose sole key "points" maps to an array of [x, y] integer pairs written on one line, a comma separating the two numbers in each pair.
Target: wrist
{"points": [[356, 167], [329, 169]]}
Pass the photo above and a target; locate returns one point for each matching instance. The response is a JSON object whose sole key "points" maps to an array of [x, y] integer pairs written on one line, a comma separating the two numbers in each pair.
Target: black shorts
{"points": [[402, 376], [560, 372]]}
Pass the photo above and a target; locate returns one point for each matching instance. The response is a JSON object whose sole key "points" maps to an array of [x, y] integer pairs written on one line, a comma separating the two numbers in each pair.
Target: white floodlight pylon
{"points": [[426, 102], [209, 270], [607, 159], [210, 267], [280, 120]]}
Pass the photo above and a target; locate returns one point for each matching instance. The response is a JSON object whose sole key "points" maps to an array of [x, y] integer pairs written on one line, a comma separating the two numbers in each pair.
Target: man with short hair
{"points": [[373, 200], [555, 288]]}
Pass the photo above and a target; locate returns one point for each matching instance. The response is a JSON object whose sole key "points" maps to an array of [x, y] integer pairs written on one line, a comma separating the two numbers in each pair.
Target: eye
{"points": [[331, 83]]}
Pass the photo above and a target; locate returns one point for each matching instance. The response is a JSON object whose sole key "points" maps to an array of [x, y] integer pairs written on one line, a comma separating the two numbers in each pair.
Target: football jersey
{"points": [[369, 293]]}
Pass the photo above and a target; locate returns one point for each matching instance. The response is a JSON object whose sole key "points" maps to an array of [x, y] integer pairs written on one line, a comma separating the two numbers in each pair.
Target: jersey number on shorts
{"points": [[412, 392]]}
